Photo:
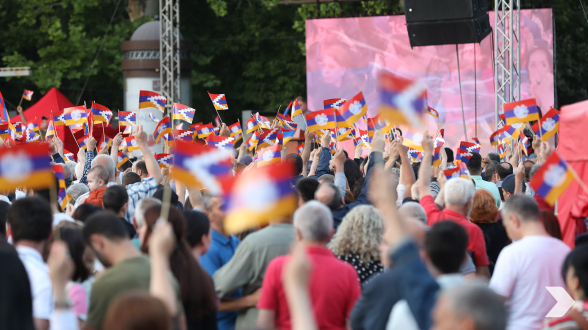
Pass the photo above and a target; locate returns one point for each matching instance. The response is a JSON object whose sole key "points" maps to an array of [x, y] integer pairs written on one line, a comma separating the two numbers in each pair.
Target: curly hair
{"points": [[360, 233], [484, 209]]}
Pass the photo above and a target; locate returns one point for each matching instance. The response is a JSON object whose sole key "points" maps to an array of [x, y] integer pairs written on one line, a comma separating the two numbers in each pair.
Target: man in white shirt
{"points": [[525, 267], [29, 224]]}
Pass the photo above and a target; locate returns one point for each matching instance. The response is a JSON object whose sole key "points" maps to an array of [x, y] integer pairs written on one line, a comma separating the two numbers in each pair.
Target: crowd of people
{"points": [[379, 242]]}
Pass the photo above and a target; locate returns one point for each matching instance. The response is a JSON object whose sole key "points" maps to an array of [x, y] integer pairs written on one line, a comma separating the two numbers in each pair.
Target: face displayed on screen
{"points": [[346, 55]]}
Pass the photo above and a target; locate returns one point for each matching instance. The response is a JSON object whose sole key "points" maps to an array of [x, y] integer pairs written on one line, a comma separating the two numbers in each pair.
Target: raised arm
{"points": [[306, 151], [408, 177], [90, 145], [424, 185], [150, 162], [116, 142], [325, 156]]}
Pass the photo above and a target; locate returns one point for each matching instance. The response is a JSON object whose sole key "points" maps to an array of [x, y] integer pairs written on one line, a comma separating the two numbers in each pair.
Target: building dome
{"points": [[148, 31]]}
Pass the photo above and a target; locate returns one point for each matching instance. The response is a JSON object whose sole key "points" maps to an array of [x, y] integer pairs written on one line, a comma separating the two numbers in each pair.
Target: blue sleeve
{"points": [[211, 262], [362, 198], [417, 286], [87, 166], [323, 165], [57, 159]]}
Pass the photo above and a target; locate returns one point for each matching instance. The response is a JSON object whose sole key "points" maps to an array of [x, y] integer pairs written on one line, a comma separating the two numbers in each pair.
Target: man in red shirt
{"points": [[334, 285], [458, 194]]}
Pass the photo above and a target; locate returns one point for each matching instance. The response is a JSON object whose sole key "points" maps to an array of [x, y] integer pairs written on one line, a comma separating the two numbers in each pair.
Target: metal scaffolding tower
{"points": [[169, 51], [507, 54]]}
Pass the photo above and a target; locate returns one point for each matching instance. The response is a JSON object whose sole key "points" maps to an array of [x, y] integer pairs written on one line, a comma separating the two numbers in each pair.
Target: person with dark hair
{"points": [[130, 178], [29, 224], [324, 158], [491, 173], [198, 232], [115, 200], [575, 275], [296, 161], [551, 224], [174, 199], [352, 173], [504, 169], [306, 187], [140, 169], [475, 167], [196, 287], [532, 261], [492, 156], [126, 268], [449, 153], [16, 301], [83, 211], [3, 217]]}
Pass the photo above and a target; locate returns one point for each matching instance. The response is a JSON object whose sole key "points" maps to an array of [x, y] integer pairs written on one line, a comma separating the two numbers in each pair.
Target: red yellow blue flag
{"points": [[459, 171], [149, 99], [548, 125], [164, 160], [552, 178], [433, 112], [220, 142], [127, 118], [164, 127], [270, 156], [236, 131], [183, 113], [101, 114], [402, 101], [219, 101], [351, 111], [319, 120], [122, 159], [27, 95], [521, 111], [26, 165]]}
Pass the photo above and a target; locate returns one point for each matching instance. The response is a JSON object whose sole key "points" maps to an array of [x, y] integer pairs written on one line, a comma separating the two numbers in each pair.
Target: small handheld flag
{"points": [[82, 142], [122, 159], [183, 113], [552, 178], [204, 131], [351, 111], [131, 143], [220, 142], [286, 123], [333, 103], [164, 160], [59, 120], [26, 165], [296, 110], [184, 135], [413, 139], [268, 138], [501, 150], [496, 137], [521, 111], [236, 131], [465, 150], [433, 112], [27, 95], [68, 155], [437, 156], [219, 101], [460, 171], [152, 117], [288, 108], [3, 112], [548, 125], [252, 125], [76, 117], [320, 120], [127, 118], [253, 140], [50, 129], [402, 100], [164, 127], [270, 156], [300, 149], [101, 114], [149, 99]]}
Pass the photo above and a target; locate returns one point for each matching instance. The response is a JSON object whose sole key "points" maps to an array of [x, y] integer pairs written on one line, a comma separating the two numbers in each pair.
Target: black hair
{"points": [[3, 216], [30, 218], [490, 171], [415, 168], [130, 178], [140, 165], [352, 173], [523, 206], [446, 243], [74, 238], [306, 188], [197, 225], [449, 153], [106, 224], [85, 210], [296, 161], [16, 305], [173, 200], [577, 260], [346, 154], [494, 156], [114, 198], [504, 172], [335, 203], [474, 165], [358, 187], [125, 166]]}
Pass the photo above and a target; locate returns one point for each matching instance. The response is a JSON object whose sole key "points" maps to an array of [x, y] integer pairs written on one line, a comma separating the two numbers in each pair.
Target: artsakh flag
{"points": [[122, 159], [253, 140], [131, 143], [460, 171], [220, 142], [437, 156], [183, 112], [296, 110], [465, 150], [27, 94], [333, 103], [300, 148], [236, 131], [552, 178], [101, 114], [439, 140], [496, 137], [148, 99], [164, 160], [433, 112], [164, 127], [184, 135], [219, 101]]}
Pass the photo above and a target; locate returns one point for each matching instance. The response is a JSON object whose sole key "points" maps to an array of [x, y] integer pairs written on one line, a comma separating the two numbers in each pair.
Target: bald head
{"points": [[412, 210], [107, 162], [330, 195]]}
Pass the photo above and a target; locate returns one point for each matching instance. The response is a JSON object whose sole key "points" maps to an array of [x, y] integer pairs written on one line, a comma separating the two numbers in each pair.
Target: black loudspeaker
{"points": [[439, 10], [451, 32]]}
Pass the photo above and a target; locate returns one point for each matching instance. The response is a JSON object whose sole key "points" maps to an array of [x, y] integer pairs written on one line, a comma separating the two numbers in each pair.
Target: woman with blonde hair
{"points": [[357, 239]]}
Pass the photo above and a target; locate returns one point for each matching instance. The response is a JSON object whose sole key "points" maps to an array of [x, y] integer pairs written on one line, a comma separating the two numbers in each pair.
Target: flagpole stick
{"points": [[166, 202], [19, 103], [72, 134], [279, 108], [336, 130], [577, 177]]}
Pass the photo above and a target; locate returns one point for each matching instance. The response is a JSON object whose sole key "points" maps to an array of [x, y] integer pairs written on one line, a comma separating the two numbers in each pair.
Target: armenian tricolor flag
{"points": [[501, 150], [219, 101], [319, 120], [273, 197], [437, 156], [76, 117], [270, 156], [352, 111], [122, 159], [346, 134], [27, 94], [58, 170], [439, 139], [402, 100], [236, 131], [296, 110], [253, 140], [262, 121], [149, 99], [512, 131], [496, 137], [3, 112], [552, 178], [101, 114], [433, 112], [333, 103], [82, 142], [164, 127], [220, 142], [105, 142], [521, 111], [204, 131], [201, 166], [164, 160], [131, 143], [548, 125], [459, 171], [288, 108], [183, 113], [26, 165], [378, 124]]}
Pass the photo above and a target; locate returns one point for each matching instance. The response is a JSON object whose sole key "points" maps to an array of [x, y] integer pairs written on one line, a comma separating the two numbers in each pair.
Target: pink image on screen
{"points": [[345, 55]]}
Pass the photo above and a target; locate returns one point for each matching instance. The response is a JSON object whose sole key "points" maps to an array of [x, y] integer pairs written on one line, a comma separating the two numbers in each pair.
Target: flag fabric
{"points": [[3, 112], [268, 138], [273, 197], [183, 113], [105, 142], [101, 114], [201, 166], [270, 156], [253, 140], [26, 165], [27, 95], [169, 139], [378, 124], [149, 99], [402, 100], [477, 141], [58, 170], [63, 198], [236, 131], [300, 148], [333, 103], [501, 150], [465, 150], [286, 123], [184, 135], [296, 110], [204, 131], [433, 112], [364, 139], [521, 111], [217, 121], [50, 129], [512, 131], [440, 139], [351, 111], [20, 129], [345, 134], [263, 121], [59, 120], [75, 117], [319, 120], [252, 125], [459, 171], [220, 142], [131, 143], [413, 139], [194, 127], [8, 132], [82, 142], [128, 130], [552, 178], [122, 159], [68, 155], [164, 127], [31, 135], [414, 155], [33, 126], [496, 137], [548, 125], [219, 101], [288, 108], [525, 144], [285, 137], [437, 156], [164, 160], [127, 118], [152, 117]]}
